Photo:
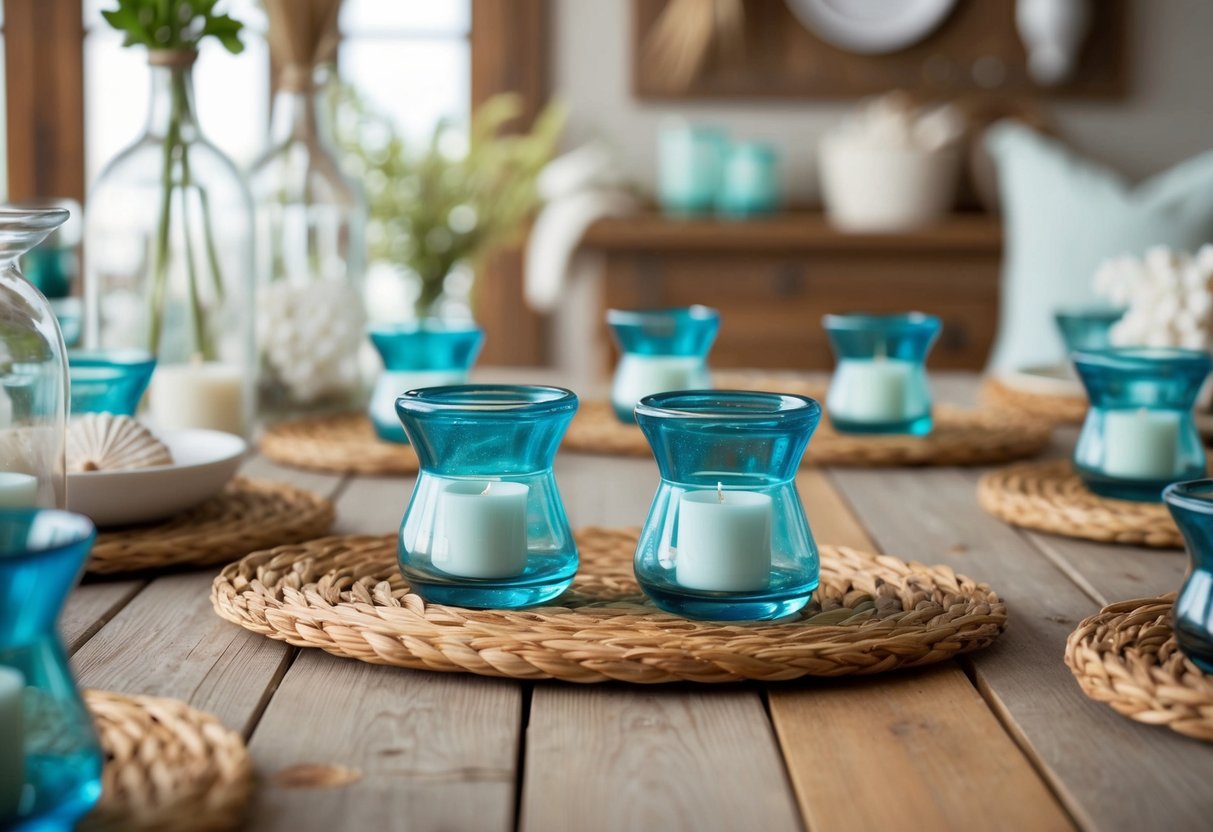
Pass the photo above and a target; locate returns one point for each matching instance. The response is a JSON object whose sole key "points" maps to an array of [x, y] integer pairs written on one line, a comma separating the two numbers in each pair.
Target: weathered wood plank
{"points": [[1110, 773], [322, 483], [1110, 573], [91, 605]]}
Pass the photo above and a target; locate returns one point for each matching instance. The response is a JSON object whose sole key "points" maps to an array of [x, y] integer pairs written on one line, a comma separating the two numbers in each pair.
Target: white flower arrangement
{"points": [[1168, 298]]}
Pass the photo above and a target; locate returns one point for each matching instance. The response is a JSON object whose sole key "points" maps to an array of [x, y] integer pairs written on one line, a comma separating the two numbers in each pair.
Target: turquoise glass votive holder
{"points": [[1191, 504], [485, 526], [690, 162], [880, 379], [726, 537], [109, 381], [50, 759], [660, 350], [749, 183], [1139, 435], [417, 354], [1087, 329]]}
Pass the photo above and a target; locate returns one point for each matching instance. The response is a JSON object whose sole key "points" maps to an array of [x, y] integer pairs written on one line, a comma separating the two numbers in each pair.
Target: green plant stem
{"points": [[432, 288]]}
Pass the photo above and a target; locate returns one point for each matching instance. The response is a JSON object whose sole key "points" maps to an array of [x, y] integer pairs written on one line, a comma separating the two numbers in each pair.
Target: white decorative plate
{"points": [[1053, 380], [871, 27], [203, 462]]}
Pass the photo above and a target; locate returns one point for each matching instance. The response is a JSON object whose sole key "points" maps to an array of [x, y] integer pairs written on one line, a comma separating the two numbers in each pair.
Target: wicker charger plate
{"points": [[345, 595], [1057, 410], [1050, 497], [248, 515], [343, 444], [167, 766], [961, 437], [1126, 656]]}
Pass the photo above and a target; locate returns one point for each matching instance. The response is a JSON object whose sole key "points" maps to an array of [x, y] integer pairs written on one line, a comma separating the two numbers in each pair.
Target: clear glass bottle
{"points": [[311, 251], [168, 247]]}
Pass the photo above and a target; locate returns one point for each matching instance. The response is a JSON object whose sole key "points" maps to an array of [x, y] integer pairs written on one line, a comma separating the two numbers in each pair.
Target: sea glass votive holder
{"points": [[1139, 435], [880, 378], [417, 354], [50, 759], [726, 537], [485, 526], [749, 183], [660, 350], [109, 381], [1191, 504], [1087, 328], [690, 161]]}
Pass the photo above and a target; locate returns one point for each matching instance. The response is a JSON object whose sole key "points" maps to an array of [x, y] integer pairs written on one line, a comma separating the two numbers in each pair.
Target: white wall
{"points": [[1167, 117]]}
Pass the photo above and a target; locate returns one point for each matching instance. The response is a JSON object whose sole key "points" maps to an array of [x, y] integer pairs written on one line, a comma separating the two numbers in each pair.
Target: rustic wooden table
{"points": [[1000, 740]]}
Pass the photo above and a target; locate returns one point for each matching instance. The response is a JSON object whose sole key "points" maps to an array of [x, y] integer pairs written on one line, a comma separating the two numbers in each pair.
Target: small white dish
{"points": [[203, 463], [872, 27], [1053, 380]]}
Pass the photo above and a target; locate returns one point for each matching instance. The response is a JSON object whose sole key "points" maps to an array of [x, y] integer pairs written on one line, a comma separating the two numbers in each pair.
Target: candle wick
{"points": [[487, 486], [882, 351], [720, 491]]}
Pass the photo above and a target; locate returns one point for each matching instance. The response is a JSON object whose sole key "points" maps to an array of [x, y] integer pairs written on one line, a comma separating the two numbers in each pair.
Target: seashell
{"points": [[105, 442]]}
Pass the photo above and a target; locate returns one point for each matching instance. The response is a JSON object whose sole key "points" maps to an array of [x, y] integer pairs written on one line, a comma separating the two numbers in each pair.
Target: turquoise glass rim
{"points": [[640, 317], [739, 405], [880, 322], [479, 400], [1194, 495], [1145, 359], [68, 529]]}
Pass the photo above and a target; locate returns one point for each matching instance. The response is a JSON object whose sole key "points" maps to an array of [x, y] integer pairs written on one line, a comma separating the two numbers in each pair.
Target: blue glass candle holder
{"points": [[1191, 504], [1087, 329], [485, 526], [416, 354], [109, 381], [50, 760], [726, 537], [690, 160], [1139, 435], [880, 379], [749, 181], [660, 350]]}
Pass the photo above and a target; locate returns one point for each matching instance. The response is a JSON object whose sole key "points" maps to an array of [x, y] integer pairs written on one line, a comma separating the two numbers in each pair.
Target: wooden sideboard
{"points": [[774, 278]]}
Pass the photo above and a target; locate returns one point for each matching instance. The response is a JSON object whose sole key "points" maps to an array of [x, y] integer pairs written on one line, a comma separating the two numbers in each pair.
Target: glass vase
{"points": [[169, 265], [726, 537], [1087, 329], [311, 246], [880, 379], [1139, 435], [1191, 504], [53, 266], [50, 760], [33, 373], [417, 354], [660, 350], [485, 526]]}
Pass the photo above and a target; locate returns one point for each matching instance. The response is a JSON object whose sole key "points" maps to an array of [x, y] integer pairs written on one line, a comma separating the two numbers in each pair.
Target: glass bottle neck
{"points": [[299, 112], [172, 110]]}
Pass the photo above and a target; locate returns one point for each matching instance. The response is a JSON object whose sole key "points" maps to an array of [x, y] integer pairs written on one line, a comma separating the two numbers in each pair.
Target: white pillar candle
{"points": [[199, 395], [871, 390], [724, 541], [1141, 444], [12, 738], [18, 490], [483, 529], [638, 376]]}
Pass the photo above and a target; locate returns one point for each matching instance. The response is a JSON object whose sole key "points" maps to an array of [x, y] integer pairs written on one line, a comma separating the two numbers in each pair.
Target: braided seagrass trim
{"points": [[1126, 656], [345, 595], [248, 515], [960, 437], [1050, 497], [343, 444], [1057, 410], [167, 766]]}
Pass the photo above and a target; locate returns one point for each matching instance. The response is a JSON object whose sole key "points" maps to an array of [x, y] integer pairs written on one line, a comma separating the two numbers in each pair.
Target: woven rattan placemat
{"points": [[1057, 410], [248, 515], [345, 595], [1050, 497], [343, 444], [1126, 656], [167, 766], [961, 437]]}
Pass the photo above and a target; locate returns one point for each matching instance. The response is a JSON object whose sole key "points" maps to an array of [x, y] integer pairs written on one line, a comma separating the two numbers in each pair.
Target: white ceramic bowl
{"points": [[886, 189], [204, 462]]}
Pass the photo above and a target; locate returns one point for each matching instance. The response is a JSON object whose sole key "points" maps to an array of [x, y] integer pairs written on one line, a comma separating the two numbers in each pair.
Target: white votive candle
{"points": [[638, 376], [12, 739], [724, 541], [1141, 444], [392, 384], [198, 395], [484, 529], [18, 490], [873, 391]]}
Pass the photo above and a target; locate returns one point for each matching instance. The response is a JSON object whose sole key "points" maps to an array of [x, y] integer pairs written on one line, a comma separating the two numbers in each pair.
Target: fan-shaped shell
{"points": [[105, 442]]}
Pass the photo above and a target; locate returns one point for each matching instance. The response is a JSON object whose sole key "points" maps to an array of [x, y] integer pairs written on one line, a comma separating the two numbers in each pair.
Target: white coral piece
{"points": [[1168, 297]]}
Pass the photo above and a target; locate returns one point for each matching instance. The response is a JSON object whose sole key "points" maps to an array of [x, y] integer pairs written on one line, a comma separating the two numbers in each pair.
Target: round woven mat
{"points": [[961, 437], [343, 444], [1050, 497], [1057, 410], [345, 595], [1126, 656], [248, 515], [167, 766]]}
